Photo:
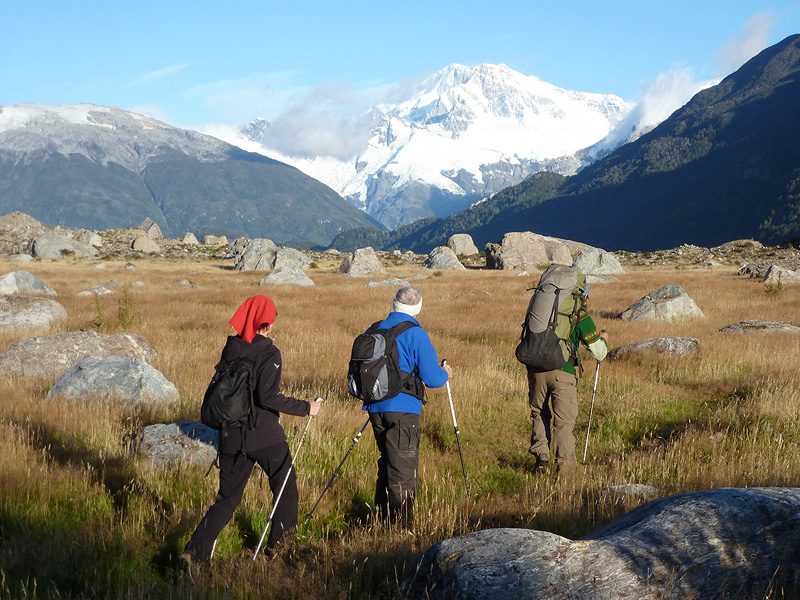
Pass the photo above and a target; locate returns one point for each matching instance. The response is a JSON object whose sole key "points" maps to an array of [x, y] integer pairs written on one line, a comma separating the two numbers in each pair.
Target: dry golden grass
{"points": [[100, 522]]}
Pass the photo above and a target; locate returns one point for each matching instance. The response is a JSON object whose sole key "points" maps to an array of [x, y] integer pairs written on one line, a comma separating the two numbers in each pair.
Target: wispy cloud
{"points": [[744, 47], [153, 75]]}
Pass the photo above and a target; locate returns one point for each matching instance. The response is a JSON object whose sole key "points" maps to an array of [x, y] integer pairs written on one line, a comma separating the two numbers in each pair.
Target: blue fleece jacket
{"points": [[415, 349]]}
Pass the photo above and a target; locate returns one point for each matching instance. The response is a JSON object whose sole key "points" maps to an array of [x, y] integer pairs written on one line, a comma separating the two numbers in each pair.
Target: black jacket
{"points": [[268, 399]]}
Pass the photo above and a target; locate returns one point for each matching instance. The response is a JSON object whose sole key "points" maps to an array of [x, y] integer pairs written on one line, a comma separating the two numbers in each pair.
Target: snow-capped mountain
{"points": [[466, 133]]}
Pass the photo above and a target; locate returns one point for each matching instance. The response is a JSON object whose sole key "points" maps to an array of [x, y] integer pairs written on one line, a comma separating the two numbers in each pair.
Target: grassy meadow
{"points": [[82, 516]]}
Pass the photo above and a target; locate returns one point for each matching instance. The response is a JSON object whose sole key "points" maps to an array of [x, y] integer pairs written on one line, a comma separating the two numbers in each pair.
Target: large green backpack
{"points": [[544, 343]]}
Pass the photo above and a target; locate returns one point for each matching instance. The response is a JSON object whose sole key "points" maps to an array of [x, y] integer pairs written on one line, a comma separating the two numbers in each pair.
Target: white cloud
{"points": [[153, 75], [752, 41]]}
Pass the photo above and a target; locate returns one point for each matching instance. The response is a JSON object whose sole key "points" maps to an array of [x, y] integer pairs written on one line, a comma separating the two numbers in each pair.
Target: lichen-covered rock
{"points": [[288, 274], [443, 257], [462, 244], [672, 346], [29, 312], [361, 263], [22, 282], [181, 443], [56, 245], [756, 326], [594, 261], [668, 303], [53, 355], [130, 381], [731, 543], [258, 255]]}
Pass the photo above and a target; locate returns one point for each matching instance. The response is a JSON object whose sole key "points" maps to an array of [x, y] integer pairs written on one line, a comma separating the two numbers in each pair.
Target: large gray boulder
{"points": [[756, 326], [22, 282], [361, 263], [152, 229], [28, 312], [53, 355], [56, 245], [668, 303], [181, 443], [779, 275], [144, 243], [130, 381], [731, 543], [462, 244], [259, 255], [288, 274], [190, 239], [291, 257], [594, 261], [526, 251], [443, 257], [671, 346], [236, 248]]}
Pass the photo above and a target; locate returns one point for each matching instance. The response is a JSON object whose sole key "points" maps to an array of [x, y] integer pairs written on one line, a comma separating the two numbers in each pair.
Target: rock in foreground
{"points": [[732, 543]]}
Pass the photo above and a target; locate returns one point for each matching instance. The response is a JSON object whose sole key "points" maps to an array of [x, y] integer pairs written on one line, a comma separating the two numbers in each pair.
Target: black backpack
{"points": [[374, 373], [228, 401]]}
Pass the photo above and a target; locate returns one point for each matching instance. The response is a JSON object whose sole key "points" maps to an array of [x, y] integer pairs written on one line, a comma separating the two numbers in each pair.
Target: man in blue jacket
{"points": [[395, 421]]}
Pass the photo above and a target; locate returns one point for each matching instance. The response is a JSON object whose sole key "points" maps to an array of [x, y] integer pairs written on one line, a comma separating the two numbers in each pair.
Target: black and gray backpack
{"points": [[544, 344], [374, 373]]}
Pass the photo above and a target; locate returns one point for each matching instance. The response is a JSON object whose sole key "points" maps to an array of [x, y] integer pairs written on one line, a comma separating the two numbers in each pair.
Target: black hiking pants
{"points": [[234, 473], [397, 437]]}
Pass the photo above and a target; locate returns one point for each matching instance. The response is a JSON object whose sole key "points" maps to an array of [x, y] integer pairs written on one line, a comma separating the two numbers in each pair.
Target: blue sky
{"points": [[194, 63]]}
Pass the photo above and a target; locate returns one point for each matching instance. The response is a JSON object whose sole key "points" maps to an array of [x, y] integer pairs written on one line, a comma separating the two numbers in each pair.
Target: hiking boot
{"points": [[542, 466], [186, 568]]}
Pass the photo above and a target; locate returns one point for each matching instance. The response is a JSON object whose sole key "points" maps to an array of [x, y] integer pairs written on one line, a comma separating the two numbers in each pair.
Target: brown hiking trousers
{"points": [[553, 398]]}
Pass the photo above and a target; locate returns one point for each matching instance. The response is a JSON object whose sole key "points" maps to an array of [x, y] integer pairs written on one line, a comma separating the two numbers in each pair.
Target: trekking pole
{"points": [[455, 427], [594, 391], [285, 480], [336, 472]]}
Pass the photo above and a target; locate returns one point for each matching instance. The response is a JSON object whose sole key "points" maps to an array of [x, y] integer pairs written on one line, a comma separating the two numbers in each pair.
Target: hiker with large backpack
{"points": [[556, 323], [390, 367], [249, 373]]}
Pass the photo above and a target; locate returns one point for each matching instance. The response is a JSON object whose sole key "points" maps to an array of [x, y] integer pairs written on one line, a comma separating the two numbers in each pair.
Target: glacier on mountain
{"points": [[464, 134]]}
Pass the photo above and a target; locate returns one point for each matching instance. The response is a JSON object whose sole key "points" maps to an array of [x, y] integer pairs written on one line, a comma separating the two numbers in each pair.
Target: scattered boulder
{"points": [[181, 443], [128, 380], [236, 248], [57, 245], [732, 542], [526, 251], [392, 281], [594, 261], [27, 312], [96, 291], [190, 239], [755, 326], [146, 244], [91, 238], [288, 274], [152, 229], [53, 355], [290, 256], [259, 255], [443, 257], [778, 275], [361, 263], [213, 240], [668, 303], [672, 346], [22, 282], [22, 258], [462, 245]]}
